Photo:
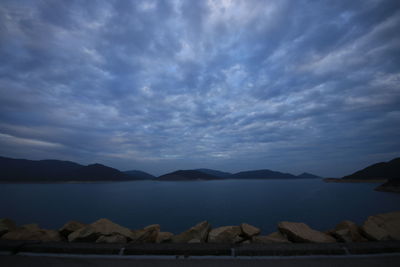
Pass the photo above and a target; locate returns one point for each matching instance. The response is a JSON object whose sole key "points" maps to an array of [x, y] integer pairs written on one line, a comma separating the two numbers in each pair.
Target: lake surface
{"points": [[177, 206]]}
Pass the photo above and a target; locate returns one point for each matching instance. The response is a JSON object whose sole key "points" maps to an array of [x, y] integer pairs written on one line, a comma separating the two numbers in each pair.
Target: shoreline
{"points": [[340, 180], [380, 227], [154, 180]]}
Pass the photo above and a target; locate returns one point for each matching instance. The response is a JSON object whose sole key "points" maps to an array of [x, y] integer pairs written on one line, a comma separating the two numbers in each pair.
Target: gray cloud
{"points": [[234, 85]]}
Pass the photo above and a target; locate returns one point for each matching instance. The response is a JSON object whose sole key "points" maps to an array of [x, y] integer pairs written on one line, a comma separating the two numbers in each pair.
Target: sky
{"points": [[291, 86]]}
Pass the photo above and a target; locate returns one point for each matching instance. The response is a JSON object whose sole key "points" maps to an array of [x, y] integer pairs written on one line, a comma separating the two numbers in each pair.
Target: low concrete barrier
{"points": [[294, 249]]}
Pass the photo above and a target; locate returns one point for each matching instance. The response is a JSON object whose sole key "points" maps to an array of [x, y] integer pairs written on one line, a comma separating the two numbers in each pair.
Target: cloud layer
{"points": [[234, 85]]}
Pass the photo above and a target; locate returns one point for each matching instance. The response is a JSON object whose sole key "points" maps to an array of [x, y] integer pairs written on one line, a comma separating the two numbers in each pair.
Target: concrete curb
{"points": [[293, 249]]}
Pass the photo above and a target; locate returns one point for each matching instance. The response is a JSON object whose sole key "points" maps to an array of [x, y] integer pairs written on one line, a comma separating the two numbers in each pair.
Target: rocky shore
{"points": [[379, 227]]}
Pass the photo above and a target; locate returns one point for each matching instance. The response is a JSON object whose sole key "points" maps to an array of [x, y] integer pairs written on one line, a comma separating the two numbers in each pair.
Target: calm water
{"points": [[178, 205]]}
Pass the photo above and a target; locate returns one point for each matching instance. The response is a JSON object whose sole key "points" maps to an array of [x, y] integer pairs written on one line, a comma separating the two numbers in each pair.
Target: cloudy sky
{"points": [[234, 85]]}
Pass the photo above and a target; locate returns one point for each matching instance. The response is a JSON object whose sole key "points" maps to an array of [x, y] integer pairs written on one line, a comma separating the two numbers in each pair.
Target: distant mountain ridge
{"points": [[187, 175], [306, 175], [215, 172], [268, 174], [22, 170], [389, 171], [209, 174], [139, 175], [381, 170]]}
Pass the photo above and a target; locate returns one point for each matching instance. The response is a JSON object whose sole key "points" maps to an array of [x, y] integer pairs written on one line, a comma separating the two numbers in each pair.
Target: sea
{"points": [[177, 206]]}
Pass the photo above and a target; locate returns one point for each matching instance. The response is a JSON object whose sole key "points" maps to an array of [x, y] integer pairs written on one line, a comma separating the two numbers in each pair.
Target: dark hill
{"points": [[98, 172], [392, 185], [139, 175], [306, 175], [186, 175], [382, 170], [22, 170], [32, 170], [262, 174], [215, 173]]}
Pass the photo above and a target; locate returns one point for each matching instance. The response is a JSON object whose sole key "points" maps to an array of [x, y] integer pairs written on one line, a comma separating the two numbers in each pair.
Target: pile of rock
{"points": [[379, 227]]}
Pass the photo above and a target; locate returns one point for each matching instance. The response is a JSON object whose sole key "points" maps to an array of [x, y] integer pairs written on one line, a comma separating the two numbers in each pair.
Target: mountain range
{"points": [[389, 171], [22, 170], [187, 175], [209, 174], [382, 170]]}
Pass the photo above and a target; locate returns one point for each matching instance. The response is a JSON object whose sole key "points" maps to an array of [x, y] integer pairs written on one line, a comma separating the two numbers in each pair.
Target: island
{"points": [[387, 173]]}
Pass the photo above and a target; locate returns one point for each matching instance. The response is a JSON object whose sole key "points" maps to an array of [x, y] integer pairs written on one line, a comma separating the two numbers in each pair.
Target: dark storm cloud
{"points": [[161, 85]]}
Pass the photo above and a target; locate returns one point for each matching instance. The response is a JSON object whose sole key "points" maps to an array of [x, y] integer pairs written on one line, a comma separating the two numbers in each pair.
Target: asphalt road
{"points": [[333, 261]]}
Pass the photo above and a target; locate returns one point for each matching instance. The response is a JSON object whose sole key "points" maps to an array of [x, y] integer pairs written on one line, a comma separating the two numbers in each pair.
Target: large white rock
{"points": [[102, 227], [164, 237], [382, 226], [225, 234], [6, 225], [111, 239], [32, 232], [198, 232], [70, 227], [348, 231], [249, 230], [301, 232], [275, 237], [148, 234]]}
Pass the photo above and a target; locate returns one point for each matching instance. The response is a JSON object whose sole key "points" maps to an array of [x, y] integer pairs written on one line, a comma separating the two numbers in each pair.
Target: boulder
{"points": [[226, 234], [70, 227], [342, 235], [382, 227], [6, 225], [275, 237], [301, 232], [52, 235], [164, 237], [148, 234], [111, 239], [348, 231], [92, 232], [31, 227], [32, 232], [199, 231], [249, 230]]}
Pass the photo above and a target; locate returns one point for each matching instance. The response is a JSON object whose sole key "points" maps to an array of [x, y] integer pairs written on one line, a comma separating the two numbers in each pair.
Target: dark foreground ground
{"points": [[334, 261], [30, 253]]}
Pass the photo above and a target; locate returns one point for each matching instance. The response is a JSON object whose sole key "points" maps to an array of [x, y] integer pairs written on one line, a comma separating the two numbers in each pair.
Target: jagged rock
{"points": [[194, 241], [101, 227], [226, 234], [31, 227], [301, 232], [70, 227], [32, 232], [249, 230], [119, 239], [348, 231], [199, 231], [342, 235], [148, 234], [275, 237], [164, 237], [6, 225], [52, 235], [382, 226]]}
